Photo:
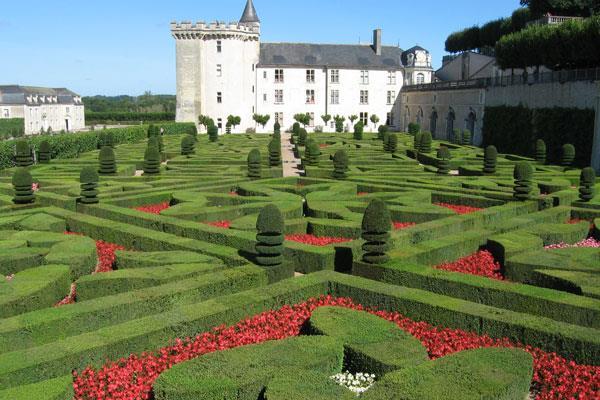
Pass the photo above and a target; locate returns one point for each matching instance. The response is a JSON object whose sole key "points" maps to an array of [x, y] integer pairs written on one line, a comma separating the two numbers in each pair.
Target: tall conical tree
{"points": [[151, 161], [540, 151], [274, 153], [188, 145], [270, 226], [426, 140], [568, 155], [302, 137], [23, 156], [376, 226], [312, 153], [254, 164], [443, 160], [45, 152], [417, 142], [88, 179], [393, 143], [466, 137], [340, 164], [523, 175], [490, 157], [107, 160], [22, 184], [587, 183]]}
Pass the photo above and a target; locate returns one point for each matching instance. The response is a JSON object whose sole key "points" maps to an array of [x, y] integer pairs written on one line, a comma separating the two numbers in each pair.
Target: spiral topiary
{"points": [[45, 152], [254, 164], [340, 164], [426, 140], [443, 160], [490, 158], [106, 139], [153, 130], [540, 151], [23, 156], [312, 153], [358, 131], [188, 145], [107, 161], [22, 182], [466, 137], [386, 142], [274, 153], [151, 161], [213, 133], [88, 179], [296, 128], [568, 155], [393, 143], [417, 141], [156, 141], [381, 130], [302, 137], [376, 226], [270, 226], [277, 128], [587, 183], [457, 139], [523, 174]]}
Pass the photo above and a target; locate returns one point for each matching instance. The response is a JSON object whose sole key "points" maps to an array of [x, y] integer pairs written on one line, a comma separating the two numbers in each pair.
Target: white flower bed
{"points": [[357, 383]]}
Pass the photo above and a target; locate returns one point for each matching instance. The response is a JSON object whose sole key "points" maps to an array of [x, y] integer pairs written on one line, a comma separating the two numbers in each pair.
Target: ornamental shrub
{"points": [[414, 128], [156, 141], [417, 142], [107, 161], [339, 125], [274, 153], [105, 138], [523, 174], [567, 155], [296, 128], [312, 153], [22, 182], [270, 226], [45, 152], [88, 179], [381, 130], [376, 226], [187, 146], [490, 157], [151, 161], [153, 130], [302, 136], [467, 137], [340, 164], [587, 183], [386, 141], [457, 137], [426, 140], [540, 151], [358, 131], [254, 166], [213, 133], [443, 161], [23, 156], [277, 128], [393, 143]]}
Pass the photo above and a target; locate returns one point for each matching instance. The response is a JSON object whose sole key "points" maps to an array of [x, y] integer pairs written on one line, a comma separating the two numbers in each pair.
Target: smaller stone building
{"points": [[42, 108]]}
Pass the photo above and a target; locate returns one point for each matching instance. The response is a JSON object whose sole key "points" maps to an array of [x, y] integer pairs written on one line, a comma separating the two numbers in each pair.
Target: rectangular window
{"points": [[279, 118], [310, 76], [67, 110], [335, 76], [364, 77], [220, 123], [264, 74], [391, 97], [278, 96], [335, 97], [219, 70], [364, 97], [312, 119], [265, 97], [6, 113], [364, 118], [219, 46], [420, 79], [219, 97], [391, 77], [310, 96], [278, 76], [390, 119]]}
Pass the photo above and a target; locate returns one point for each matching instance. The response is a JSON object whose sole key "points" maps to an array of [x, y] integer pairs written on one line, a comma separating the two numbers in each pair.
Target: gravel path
{"points": [[290, 162]]}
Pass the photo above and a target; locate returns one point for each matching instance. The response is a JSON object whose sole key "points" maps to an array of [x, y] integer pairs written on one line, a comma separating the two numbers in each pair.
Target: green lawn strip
{"points": [[19, 259], [60, 388], [580, 283], [134, 259]]}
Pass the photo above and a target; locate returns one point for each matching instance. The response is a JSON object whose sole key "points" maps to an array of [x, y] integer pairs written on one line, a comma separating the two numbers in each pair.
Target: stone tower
{"points": [[216, 69]]}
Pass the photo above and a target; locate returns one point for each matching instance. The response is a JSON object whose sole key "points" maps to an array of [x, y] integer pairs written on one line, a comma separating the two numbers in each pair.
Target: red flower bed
{"points": [[132, 378], [360, 194], [234, 194], [403, 225], [70, 298], [154, 208], [461, 210], [323, 145], [481, 263], [220, 224], [316, 240], [105, 252]]}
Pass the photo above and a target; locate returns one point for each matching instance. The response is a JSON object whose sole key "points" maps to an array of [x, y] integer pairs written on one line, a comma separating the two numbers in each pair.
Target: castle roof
{"points": [[409, 51], [329, 55], [32, 95], [249, 15]]}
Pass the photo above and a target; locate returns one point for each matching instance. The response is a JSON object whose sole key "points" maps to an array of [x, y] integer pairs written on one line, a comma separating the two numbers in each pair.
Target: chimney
{"points": [[377, 41]]}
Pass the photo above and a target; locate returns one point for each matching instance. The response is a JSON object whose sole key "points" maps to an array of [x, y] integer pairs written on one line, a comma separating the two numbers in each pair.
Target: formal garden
{"points": [[151, 262]]}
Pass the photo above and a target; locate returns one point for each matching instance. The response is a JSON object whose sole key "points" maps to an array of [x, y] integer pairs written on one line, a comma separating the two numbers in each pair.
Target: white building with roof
{"points": [[57, 109], [223, 69]]}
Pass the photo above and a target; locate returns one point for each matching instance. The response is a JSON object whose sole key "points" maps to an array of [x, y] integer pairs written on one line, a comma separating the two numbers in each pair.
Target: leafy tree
{"points": [[353, 118], [88, 179], [490, 157], [375, 120], [151, 164], [523, 174], [326, 118], [339, 123], [262, 120], [44, 153], [205, 121], [23, 155], [587, 183], [234, 120], [340, 164], [577, 8], [376, 226], [303, 119], [358, 131], [107, 161], [188, 145], [270, 226], [254, 164], [22, 184], [540, 151], [443, 160]]}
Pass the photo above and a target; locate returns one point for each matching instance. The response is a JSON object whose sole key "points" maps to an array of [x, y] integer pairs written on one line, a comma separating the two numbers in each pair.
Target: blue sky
{"points": [[116, 47]]}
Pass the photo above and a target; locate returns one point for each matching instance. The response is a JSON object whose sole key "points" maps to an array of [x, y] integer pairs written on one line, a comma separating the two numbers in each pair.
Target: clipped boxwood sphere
{"points": [[377, 217]]}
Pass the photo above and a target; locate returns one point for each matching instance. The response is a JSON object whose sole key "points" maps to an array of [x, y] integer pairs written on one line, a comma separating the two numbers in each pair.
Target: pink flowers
{"points": [[591, 242], [360, 194], [10, 277], [316, 240], [402, 225], [481, 263], [234, 193], [220, 224], [35, 186], [461, 210], [154, 208]]}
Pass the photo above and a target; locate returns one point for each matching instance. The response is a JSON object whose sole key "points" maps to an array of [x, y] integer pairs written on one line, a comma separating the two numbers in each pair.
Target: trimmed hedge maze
{"points": [[176, 266]]}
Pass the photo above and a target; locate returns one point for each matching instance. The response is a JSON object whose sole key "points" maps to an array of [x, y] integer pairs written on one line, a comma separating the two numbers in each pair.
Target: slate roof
{"points": [[15, 94], [329, 55], [249, 14], [411, 50]]}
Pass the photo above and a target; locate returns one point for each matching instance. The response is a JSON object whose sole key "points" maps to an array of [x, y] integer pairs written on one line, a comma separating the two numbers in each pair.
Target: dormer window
{"points": [[219, 46]]}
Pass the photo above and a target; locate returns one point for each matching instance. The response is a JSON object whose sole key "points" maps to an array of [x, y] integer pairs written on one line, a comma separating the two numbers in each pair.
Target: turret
{"points": [[250, 17]]}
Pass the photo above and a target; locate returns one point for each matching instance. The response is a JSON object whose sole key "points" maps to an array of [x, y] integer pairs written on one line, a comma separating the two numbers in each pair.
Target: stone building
{"points": [[224, 69], [42, 108]]}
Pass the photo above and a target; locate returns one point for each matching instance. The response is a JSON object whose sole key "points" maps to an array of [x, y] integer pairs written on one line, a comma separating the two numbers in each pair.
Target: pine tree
{"points": [[270, 237], [88, 179], [108, 163], [23, 156], [443, 162], [540, 151], [376, 226], [523, 174], [254, 164], [22, 184], [340, 164], [587, 183], [151, 161], [44, 153], [490, 157]]}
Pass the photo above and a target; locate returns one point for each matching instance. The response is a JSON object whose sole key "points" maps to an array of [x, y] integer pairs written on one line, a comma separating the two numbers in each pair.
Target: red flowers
{"points": [[105, 252], [481, 263], [461, 210], [132, 377], [315, 240], [360, 194], [234, 193], [220, 224], [154, 208], [70, 298], [323, 145], [402, 225]]}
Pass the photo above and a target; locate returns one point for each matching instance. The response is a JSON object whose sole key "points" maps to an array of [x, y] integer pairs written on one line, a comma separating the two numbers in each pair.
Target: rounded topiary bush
{"points": [[22, 184], [443, 160], [156, 141], [274, 153], [376, 226], [312, 153], [188, 145], [414, 128], [567, 155], [457, 136], [45, 152], [151, 161], [587, 183], [88, 179], [358, 131], [107, 160], [213, 133], [386, 141], [393, 143], [540, 151], [277, 128], [296, 128], [426, 140], [270, 226], [107, 139], [381, 130], [302, 137], [254, 164], [490, 158], [23, 156], [153, 130], [340, 164], [417, 141], [523, 174]]}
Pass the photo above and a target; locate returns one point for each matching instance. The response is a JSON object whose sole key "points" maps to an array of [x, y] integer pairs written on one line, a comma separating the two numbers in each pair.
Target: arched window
{"points": [[420, 78], [450, 125], [433, 122], [406, 118], [420, 116], [470, 123]]}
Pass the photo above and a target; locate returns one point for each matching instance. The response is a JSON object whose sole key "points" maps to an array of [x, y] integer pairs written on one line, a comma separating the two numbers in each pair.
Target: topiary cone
{"points": [[587, 183], [88, 179], [443, 161], [568, 155], [254, 164], [523, 174], [490, 157], [393, 143], [188, 145], [151, 161], [22, 184], [23, 156], [270, 226], [44, 153], [426, 140], [376, 226], [312, 153], [540, 151], [107, 161], [340, 164], [274, 153]]}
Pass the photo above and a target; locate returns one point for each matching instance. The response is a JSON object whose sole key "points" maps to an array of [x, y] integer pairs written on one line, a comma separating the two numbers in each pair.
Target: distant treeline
{"points": [[111, 116], [146, 103]]}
